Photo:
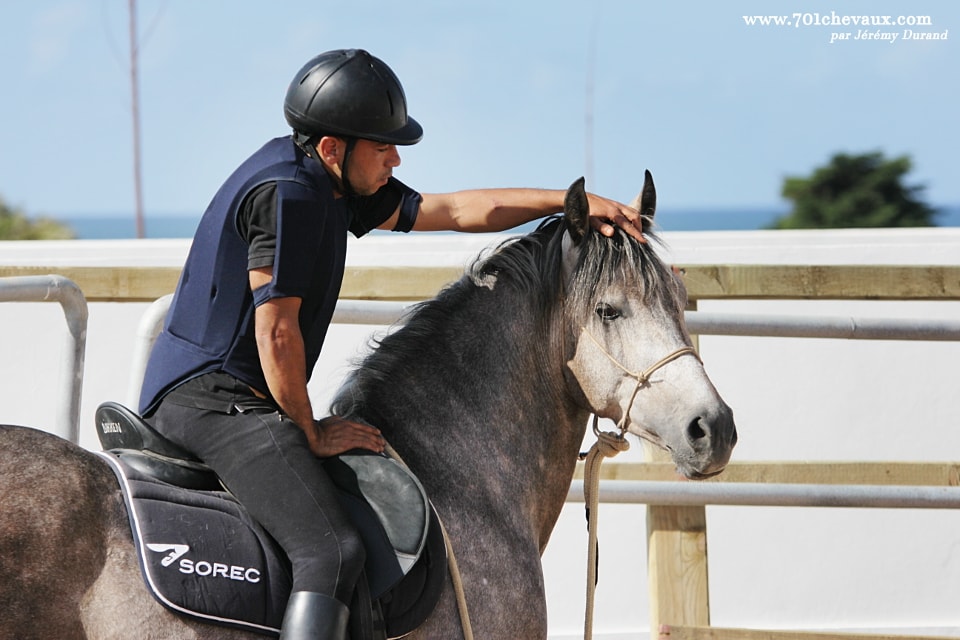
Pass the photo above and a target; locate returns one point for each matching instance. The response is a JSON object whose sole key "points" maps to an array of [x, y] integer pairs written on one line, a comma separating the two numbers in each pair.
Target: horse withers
{"points": [[484, 391]]}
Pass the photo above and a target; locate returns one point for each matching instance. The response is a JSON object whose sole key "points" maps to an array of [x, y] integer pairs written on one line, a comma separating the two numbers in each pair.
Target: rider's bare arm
{"points": [[480, 210], [283, 359]]}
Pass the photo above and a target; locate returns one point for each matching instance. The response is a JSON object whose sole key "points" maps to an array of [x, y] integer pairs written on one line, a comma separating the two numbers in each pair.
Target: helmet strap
{"points": [[307, 144], [348, 189]]}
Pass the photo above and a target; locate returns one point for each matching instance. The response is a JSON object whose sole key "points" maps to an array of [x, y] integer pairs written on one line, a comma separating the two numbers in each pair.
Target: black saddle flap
{"points": [[390, 509]]}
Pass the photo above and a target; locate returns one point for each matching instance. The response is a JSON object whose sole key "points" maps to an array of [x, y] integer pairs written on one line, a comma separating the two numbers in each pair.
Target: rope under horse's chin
{"points": [[609, 444]]}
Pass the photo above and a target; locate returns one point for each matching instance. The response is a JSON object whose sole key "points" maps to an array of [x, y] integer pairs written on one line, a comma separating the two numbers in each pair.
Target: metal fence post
{"points": [[54, 288]]}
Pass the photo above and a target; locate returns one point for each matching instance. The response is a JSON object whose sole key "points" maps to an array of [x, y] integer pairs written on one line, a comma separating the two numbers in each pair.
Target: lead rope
{"points": [[452, 567], [609, 444]]}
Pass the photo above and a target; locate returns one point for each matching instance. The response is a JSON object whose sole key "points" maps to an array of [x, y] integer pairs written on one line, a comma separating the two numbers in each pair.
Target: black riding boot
{"points": [[314, 616]]}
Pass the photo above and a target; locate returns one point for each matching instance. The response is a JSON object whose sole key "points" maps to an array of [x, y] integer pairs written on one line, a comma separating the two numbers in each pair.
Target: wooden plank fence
{"points": [[677, 548], [676, 536], [746, 282]]}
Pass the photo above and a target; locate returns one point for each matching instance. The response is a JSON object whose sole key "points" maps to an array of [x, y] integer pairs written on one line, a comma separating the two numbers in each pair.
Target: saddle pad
{"points": [[202, 555]]}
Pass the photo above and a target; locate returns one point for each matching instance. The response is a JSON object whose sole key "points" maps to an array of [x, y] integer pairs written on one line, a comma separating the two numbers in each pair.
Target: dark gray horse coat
{"points": [[485, 392]]}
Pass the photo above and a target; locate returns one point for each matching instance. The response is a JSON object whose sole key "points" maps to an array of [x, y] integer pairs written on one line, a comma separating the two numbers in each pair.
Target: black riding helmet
{"points": [[350, 93]]}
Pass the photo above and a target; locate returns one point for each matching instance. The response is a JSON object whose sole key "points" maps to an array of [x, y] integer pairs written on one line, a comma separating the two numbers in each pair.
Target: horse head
{"points": [[629, 356]]}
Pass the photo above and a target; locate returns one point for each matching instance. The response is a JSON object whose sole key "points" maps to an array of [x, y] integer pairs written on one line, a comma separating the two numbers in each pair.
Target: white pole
{"points": [[53, 288]]}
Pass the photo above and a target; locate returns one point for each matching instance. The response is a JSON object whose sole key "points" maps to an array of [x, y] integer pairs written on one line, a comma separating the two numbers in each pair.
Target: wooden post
{"points": [[676, 559]]}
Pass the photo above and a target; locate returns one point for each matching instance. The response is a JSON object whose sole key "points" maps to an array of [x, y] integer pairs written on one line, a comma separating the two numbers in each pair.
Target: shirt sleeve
{"points": [[303, 236], [369, 212], [257, 223]]}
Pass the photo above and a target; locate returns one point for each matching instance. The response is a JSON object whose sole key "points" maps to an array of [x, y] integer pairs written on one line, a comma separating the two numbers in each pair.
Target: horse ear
{"points": [[576, 211], [648, 196], [646, 200]]}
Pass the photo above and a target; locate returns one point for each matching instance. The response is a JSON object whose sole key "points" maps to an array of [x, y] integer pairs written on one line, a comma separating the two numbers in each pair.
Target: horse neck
{"points": [[486, 405], [505, 378]]}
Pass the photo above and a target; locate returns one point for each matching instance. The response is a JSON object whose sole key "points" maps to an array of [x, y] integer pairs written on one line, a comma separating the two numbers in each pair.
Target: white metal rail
{"points": [[698, 322], [690, 494], [54, 288]]}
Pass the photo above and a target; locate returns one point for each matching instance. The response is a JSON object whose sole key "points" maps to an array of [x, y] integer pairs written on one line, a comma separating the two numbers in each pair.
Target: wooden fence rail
{"points": [[746, 282]]}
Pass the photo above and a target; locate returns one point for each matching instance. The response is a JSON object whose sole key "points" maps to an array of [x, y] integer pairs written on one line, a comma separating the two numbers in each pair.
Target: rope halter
{"points": [[642, 377], [609, 444]]}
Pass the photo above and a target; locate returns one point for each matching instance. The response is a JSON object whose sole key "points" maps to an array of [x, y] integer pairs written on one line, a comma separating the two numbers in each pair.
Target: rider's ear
{"points": [[576, 211]]}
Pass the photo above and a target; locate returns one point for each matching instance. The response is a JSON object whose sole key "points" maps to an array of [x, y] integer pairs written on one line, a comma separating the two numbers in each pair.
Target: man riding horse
{"points": [[227, 377]]}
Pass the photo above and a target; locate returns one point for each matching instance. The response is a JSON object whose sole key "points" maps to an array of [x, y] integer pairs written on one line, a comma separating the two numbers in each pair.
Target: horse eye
{"points": [[606, 312]]}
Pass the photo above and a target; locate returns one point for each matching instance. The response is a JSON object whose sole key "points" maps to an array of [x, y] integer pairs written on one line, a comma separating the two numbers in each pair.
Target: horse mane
{"points": [[529, 265], [525, 262], [604, 261]]}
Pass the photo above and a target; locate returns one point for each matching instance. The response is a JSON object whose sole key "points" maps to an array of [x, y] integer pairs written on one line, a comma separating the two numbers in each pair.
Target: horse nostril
{"points": [[695, 431]]}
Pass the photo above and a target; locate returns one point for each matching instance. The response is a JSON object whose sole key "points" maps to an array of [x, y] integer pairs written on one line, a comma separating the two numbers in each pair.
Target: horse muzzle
{"points": [[704, 447]]}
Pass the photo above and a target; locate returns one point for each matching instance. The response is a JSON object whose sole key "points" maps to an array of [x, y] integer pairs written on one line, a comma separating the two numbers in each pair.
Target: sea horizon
{"points": [[182, 225]]}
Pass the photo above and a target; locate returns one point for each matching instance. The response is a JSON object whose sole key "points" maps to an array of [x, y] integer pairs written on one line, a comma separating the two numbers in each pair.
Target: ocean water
{"points": [[94, 227]]}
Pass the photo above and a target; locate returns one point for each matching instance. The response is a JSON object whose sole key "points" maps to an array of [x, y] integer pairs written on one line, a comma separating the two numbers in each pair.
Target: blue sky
{"points": [[720, 112]]}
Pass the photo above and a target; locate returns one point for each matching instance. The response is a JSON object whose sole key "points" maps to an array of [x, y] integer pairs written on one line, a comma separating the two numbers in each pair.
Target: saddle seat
{"points": [[130, 438]]}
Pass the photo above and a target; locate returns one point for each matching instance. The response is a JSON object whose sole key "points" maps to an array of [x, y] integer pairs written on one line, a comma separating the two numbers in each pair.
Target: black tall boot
{"points": [[314, 616]]}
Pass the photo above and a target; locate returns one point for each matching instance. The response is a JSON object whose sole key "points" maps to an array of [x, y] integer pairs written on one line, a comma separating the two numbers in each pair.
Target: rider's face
{"points": [[370, 164]]}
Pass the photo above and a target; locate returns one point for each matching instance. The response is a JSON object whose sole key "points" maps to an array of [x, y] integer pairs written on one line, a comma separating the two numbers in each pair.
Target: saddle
{"points": [[203, 556]]}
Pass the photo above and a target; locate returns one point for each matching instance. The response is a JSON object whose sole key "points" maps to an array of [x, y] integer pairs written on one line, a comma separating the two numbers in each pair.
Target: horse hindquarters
{"points": [[52, 532], [68, 569]]}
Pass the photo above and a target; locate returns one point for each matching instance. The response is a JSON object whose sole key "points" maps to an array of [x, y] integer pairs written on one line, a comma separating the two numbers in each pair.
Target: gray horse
{"points": [[485, 392]]}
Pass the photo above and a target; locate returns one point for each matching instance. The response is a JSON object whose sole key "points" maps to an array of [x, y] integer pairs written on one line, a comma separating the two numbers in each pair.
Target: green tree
{"points": [[864, 190], [15, 225]]}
